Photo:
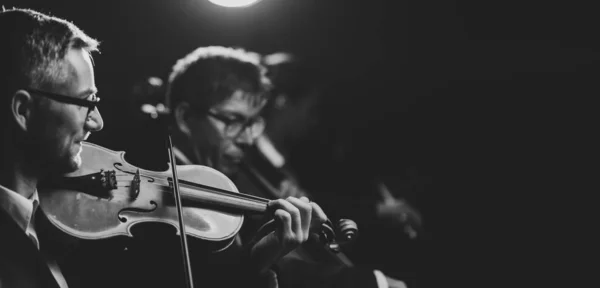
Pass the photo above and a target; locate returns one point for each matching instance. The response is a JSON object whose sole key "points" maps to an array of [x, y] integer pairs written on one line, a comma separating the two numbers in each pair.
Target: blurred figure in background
{"points": [[291, 115]]}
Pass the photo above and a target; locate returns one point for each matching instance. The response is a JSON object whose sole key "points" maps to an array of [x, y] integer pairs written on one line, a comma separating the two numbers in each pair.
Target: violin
{"points": [[107, 196]]}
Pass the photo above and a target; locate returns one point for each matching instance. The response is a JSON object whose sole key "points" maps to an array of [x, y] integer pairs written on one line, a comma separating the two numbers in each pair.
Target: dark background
{"points": [[490, 101]]}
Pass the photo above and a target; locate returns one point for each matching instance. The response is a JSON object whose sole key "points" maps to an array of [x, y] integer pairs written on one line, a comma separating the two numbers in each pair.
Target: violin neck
{"points": [[198, 193]]}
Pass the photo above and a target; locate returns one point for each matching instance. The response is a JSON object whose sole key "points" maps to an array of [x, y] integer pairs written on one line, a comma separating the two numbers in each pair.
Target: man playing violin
{"points": [[216, 95], [49, 95], [48, 105]]}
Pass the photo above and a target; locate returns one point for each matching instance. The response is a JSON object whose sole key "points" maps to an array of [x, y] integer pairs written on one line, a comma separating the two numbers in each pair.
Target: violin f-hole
{"points": [[123, 218]]}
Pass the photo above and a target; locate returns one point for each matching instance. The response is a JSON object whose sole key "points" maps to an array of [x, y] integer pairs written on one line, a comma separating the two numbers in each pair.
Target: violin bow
{"points": [[183, 238], [154, 112]]}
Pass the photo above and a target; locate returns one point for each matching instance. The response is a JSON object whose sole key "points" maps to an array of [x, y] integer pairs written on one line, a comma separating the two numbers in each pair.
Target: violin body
{"points": [[107, 196]]}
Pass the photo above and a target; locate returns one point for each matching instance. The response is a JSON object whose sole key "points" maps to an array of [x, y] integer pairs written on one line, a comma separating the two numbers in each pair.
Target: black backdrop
{"points": [[484, 98]]}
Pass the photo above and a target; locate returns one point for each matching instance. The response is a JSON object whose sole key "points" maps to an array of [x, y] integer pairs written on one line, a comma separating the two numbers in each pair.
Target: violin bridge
{"points": [[135, 184]]}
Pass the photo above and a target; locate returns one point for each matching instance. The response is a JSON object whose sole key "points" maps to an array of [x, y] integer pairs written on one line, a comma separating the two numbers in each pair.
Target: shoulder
{"points": [[21, 263]]}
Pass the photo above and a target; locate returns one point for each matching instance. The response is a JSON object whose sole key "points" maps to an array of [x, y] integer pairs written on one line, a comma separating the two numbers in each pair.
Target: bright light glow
{"points": [[234, 3]]}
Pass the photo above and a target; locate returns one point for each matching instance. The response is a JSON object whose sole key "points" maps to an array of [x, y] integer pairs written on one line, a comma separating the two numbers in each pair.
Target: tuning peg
{"points": [[347, 229]]}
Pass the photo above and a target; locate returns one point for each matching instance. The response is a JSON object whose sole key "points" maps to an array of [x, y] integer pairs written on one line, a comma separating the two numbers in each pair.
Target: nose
{"points": [[245, 137], [94, 122]]}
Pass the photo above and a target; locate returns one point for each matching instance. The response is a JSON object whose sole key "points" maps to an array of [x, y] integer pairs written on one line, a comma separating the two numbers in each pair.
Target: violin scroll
{"points": [[346, 229]]}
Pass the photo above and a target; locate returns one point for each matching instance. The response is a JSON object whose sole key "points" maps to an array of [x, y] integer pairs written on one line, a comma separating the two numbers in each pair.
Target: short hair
{"points": [[209, 75], [32, 49], [291, 75]]}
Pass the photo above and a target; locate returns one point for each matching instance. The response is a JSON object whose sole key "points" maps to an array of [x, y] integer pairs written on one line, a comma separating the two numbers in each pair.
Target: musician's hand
{"points": [[394, 283], [295, 219], [398, 212]]}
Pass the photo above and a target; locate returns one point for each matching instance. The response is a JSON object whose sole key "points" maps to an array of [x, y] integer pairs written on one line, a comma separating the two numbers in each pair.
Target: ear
{"points": [[181, 114], [22, 109]]}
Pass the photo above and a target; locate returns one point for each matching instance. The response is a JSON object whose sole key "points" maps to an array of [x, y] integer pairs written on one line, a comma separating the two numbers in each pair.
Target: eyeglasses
{"points": [[90, 104], [234, 127]]}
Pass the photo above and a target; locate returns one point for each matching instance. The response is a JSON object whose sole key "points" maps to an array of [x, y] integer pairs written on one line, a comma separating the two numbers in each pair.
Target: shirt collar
{"points": [[19, 208]]}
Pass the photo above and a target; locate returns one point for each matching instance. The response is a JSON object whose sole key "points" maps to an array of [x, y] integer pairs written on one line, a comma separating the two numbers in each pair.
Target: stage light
{"points": [[234, 3]]}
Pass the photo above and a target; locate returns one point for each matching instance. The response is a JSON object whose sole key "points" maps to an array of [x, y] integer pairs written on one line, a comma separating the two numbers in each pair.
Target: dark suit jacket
{"points": [[151, 259], [21, 264]]}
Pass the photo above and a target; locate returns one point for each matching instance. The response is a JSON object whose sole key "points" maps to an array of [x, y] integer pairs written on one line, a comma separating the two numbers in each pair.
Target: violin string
{"points": [[206, 188], [166, 189]]}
